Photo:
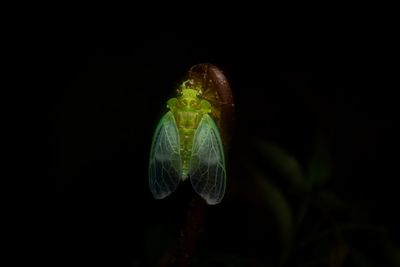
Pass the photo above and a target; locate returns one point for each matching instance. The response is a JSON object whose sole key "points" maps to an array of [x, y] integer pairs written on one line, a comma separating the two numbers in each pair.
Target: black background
{"points": [[292, 83]]}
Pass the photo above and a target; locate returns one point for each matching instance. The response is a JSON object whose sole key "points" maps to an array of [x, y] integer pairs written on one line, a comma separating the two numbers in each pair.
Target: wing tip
{"points": [[212, 201], [160, 196]]}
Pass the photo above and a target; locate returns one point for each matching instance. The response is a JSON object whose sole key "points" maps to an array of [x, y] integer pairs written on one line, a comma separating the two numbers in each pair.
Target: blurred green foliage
{"points": [[279, 212]]}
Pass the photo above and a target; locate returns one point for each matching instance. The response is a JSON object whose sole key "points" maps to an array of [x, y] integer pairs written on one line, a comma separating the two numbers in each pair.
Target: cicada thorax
{"points": [[188, 110], [206, 91], [187, 122]]}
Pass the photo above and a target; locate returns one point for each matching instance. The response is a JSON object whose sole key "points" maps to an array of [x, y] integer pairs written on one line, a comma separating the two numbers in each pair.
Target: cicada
{"points": [[187, 145]]}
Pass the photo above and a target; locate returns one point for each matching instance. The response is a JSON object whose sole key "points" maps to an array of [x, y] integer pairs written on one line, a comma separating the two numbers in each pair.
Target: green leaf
{"points": [[276, 201], [284, 163]]}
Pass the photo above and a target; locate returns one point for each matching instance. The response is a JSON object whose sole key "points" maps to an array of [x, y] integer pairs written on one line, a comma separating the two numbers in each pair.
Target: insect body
{"points": [[187, 144]]}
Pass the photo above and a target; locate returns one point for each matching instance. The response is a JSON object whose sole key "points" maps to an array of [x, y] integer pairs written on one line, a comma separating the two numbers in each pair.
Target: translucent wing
{"points": [[165, 166], [207, 164]]}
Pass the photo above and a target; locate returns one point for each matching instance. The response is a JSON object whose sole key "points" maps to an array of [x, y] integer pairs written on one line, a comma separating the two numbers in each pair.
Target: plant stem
{"points": [[191, 233]]}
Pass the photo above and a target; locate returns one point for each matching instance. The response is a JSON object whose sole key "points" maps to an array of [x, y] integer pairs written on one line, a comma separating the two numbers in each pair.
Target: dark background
{"points": [[314, 96]]}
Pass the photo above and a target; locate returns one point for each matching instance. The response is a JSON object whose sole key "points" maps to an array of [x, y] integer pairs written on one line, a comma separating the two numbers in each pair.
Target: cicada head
{"points": [[192, 84]]}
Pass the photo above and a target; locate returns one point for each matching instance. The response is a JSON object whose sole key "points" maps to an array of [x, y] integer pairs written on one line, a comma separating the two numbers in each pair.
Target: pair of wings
{"points": [[207, 164]]}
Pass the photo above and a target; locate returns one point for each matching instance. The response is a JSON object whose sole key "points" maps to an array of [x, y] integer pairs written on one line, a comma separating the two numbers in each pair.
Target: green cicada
{"points": [[187, 144]]}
